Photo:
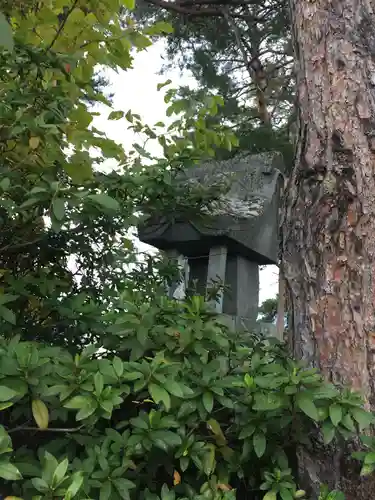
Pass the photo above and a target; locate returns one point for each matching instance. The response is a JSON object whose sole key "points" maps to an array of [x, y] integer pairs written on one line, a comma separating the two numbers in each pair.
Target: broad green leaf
{"points": [[76, 484], [9, 472], [267, 402], [105, 491], [328, 432], [40, 413], [367, 469], [58, 208], [215, 428], [335, 495], [40, 484], [118, 366], [286, 494], [168, 437], [105, 201], [305, 403], [335, 414], [173, 388], [270, 495], [370, 458], [362, 417], [209, 461], [6, 394], [208, 401], [78, 402], [6, 34], [99, 383], [116, 115], [259, 443], [123, 486], [8, 315], [59, 474], [159, 394]]}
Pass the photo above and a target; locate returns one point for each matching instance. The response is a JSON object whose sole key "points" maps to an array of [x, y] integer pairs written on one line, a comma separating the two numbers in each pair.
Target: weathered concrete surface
{"points": [[245, 220]]}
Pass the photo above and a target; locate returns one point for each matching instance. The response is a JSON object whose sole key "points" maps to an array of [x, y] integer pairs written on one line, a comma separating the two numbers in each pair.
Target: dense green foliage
{"points": [[107, 389]]}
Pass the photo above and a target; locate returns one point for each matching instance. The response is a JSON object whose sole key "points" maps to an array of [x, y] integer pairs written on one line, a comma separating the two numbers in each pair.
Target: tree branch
{"points": [[199, 8], [49, 429], [61, 27]]}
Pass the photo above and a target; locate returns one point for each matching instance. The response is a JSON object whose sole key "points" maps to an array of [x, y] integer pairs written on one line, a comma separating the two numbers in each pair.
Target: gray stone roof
{"points": [[245, 218]]}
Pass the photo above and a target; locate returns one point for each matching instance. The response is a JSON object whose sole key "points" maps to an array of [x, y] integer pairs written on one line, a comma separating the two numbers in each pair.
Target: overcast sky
{"points": [[136, 90]]}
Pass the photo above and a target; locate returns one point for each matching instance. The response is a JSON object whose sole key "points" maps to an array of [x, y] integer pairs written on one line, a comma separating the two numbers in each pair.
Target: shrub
{"points": [[176, 406]]}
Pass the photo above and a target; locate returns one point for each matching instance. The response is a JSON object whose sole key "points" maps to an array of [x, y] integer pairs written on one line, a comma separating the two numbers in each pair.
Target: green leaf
{"points": [[208, 401], [6, 394], [118, 366], [40, 484], [270, 495], [362, 417], [59, 474], [286, 494], [58, 208], [335, 495], [78, 402], [6, 34], [115, 115], [76, 484], [267, 402], [335, 414], [105, 491], [40, 413], [123, 486], [170, 438], [370, 458], [105, 201], [209, 460], [8, 315], [329, 432], [305, 403], [367, 469], [9, 472], [259, 443], [162, 85], [174, 388], [99, 383], [159, 394], [348, 423]]}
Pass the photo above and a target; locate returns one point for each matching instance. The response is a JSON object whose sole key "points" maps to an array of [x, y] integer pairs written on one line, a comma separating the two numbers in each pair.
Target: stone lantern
{"points": [[240, 234]]}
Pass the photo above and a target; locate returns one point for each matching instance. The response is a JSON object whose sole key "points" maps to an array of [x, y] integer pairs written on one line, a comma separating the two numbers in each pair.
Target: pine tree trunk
{"points": [[329, 220]]}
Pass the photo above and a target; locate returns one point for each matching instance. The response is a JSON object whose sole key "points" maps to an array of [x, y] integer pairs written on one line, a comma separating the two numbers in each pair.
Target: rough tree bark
{"points": [[329, 226]]}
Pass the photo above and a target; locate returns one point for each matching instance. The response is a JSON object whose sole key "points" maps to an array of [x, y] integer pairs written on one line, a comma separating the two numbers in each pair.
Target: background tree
{"points": [[242, 51]]}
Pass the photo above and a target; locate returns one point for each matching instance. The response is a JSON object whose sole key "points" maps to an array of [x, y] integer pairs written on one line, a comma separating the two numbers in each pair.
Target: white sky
{"points": [[136, 90]]}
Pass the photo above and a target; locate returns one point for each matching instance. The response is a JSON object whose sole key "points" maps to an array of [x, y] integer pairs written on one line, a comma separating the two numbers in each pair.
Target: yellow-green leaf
{"points": [[34, 142], [159, 394], [129, 4], [270, 495], [115, 115], [40, 413]]}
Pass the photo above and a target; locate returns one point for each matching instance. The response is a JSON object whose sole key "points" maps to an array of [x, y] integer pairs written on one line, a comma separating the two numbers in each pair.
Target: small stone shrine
{"points": [[239, 234]]}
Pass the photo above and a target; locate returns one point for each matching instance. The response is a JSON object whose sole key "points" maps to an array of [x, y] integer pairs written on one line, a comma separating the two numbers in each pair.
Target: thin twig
{"points": [[61, 27], [49, 429]]}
